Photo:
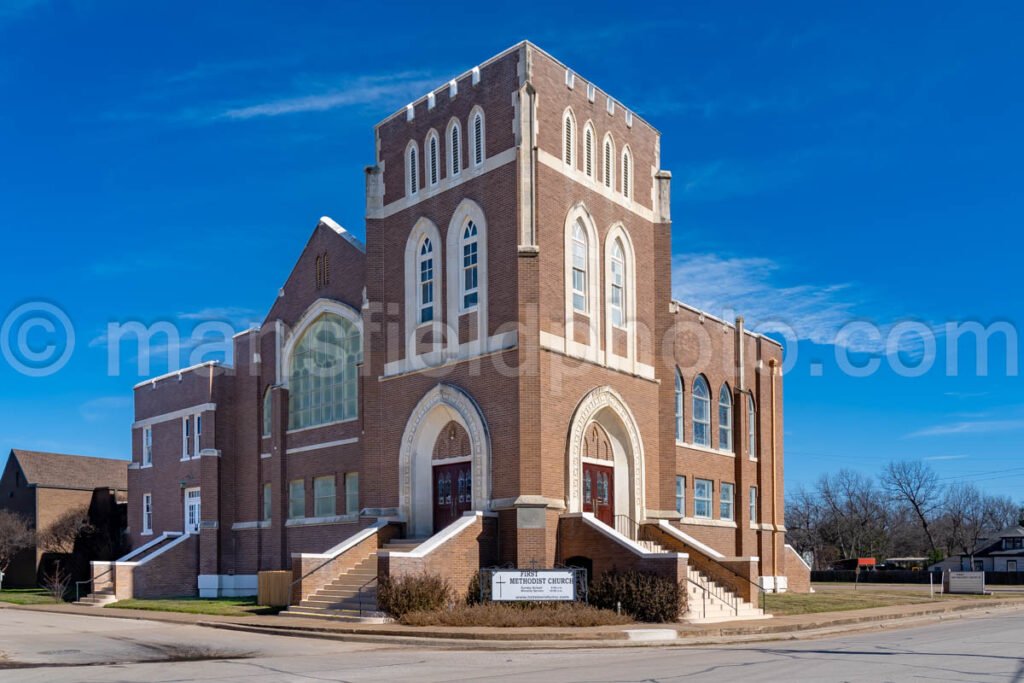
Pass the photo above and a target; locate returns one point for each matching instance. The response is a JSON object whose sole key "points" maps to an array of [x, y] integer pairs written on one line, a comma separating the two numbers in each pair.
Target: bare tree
{"points": [[915, 485], [15, 535], [61, 535], [56, 582]]}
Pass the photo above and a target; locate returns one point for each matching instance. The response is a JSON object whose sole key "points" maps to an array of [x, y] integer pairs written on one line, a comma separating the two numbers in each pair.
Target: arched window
{"points": [[679, 406], [322, 386], [478, 138], [701, 412], [618, 285], [627, 173], [751, 427], [470, 267], [412, 183], [433, 173], [454, 148], [425, 295], [725, 418], [569, 139], [608, 161], [588, 151], [267, 412], [580, 258]]}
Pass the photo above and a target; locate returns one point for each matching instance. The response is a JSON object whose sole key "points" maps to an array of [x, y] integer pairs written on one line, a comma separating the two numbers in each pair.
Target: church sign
{"points": [[541, 585]]}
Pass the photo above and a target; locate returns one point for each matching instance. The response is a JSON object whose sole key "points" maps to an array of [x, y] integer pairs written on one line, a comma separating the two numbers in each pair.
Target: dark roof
{"points": [[58, 470]]}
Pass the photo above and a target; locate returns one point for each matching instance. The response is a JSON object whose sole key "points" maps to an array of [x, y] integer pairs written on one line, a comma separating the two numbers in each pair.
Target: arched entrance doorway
{"points": [[444, 463], [605, 459]]}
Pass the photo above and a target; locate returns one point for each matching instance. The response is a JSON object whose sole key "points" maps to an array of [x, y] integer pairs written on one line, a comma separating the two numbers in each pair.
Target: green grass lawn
{"points": [[830, 600], [226, 607], [25, 596]]}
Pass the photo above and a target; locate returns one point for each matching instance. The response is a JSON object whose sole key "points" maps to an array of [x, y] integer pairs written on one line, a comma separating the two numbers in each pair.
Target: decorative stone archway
{"points": [[441, 405], [605, 406]]}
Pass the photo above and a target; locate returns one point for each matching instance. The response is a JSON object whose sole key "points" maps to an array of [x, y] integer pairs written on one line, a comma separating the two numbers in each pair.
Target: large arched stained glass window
{"points": [[323, 382]]}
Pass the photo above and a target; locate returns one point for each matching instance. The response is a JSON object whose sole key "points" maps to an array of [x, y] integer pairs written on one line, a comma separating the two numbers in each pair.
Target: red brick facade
{"points": [[488, 300]]}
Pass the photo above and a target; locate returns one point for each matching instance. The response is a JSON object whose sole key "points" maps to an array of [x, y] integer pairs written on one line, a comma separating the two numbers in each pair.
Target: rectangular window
{"points": [[147, 446], [147, 513], [324, 496], [725, 504], [1011, 565], [681, 495], [753, 505], [702, 489], [351, 493], [266, 502], [469, 275], [426, 290], [579, 273], [199, 433], [296, 499], [186, 436]]}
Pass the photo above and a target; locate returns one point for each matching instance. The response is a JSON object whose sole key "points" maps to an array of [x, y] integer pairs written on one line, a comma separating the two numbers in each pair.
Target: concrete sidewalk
{"points": [[777, 628]]}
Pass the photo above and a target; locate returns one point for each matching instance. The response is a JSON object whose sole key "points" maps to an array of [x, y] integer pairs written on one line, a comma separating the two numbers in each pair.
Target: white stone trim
{"points": [[421, 430], [469, 173], [527, 501], [466, 211], [700, 521], [467, 520], [173, 415], [317, 446], [179, 373], [609, 193], [686, 538], [553, 342], [497, 342], [348, 543], [245, 526], [706, 449], [343, 233], [799, 557], [602, 528], [586, 411], [143, 548], [314, 521]]}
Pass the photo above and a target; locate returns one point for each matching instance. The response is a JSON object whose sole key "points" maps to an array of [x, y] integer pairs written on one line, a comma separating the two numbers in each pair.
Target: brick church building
{"points": [[498, 377]]}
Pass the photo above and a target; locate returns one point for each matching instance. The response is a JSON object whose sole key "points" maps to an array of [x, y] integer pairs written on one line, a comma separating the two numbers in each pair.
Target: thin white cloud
{"points": [[106, 406], [364, 90], [970, 427], [229, 314], [933, 458]]}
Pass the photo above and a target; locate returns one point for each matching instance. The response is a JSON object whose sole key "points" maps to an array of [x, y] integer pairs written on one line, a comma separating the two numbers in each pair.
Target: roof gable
{"points": [[80, 472]]}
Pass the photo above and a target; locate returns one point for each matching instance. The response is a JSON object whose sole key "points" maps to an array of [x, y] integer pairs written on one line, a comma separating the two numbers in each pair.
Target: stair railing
{"points": [[89, 581], [628, 527], [362, 591]]}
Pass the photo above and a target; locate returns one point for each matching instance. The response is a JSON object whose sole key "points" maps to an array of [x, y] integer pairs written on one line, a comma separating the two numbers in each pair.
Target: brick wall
{"points": [[577, 538], [173, 573], [797, 573], [311, 573]]}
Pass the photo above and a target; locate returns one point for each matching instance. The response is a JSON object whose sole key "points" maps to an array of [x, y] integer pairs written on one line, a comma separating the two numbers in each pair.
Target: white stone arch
{"points": [[605, 406], [570, 143], [436, 409], [466, 211], [424, 227], [579, 214], [309, 316], [454, 152], [618, 232]]}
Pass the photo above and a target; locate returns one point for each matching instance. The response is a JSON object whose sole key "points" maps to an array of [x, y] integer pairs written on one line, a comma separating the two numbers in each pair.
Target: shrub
{"points": [[521, 615], [645, 596], [413, 593]]}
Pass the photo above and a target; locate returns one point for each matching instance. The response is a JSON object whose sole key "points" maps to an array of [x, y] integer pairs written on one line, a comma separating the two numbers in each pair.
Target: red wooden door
{"points": [[453, 493], [599, 492]]}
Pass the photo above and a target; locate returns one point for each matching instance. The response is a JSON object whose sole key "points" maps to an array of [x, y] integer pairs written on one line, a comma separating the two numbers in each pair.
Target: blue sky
{"points": [[166, 162]]}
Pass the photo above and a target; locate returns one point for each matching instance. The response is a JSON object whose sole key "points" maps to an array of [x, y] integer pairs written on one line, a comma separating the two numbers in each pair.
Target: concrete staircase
{"points": [[351, 596], [100, 598], [708, 602]]}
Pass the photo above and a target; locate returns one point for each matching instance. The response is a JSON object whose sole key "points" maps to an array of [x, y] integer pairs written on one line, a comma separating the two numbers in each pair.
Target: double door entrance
{"points": [[453, 492], [599, 492]]}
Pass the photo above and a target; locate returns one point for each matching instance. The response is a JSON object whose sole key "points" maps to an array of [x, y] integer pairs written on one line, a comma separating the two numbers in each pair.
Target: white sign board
{"points": [[965, 582], [544, 584]]}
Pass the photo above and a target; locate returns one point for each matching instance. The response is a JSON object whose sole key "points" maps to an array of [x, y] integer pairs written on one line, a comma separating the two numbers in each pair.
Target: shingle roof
{"points": [[58, 470]]}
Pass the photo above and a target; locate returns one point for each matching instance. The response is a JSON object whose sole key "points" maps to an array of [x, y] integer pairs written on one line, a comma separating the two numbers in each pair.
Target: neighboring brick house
{"points": [[505, 344], [42, 486]]}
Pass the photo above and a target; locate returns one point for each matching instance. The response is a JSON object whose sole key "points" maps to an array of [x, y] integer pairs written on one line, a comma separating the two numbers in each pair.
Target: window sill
{"points": [[705, 449], [701, 521], [146, 467], [321, 426], [312, 521], [146, 533]]}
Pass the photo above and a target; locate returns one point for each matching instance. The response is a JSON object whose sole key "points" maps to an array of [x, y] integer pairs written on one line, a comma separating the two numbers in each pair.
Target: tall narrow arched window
{"points": [[478, 138], [470, 267], [454, 148], [580, 258], [627, 173], [751, 427], [701, 412], [679, 406], [569, 139], [608, 161], [322, 384], [588, 151], [425, 292], [267, 412], [618, 285], [433, 173], [412, 181], [725, 418]]}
